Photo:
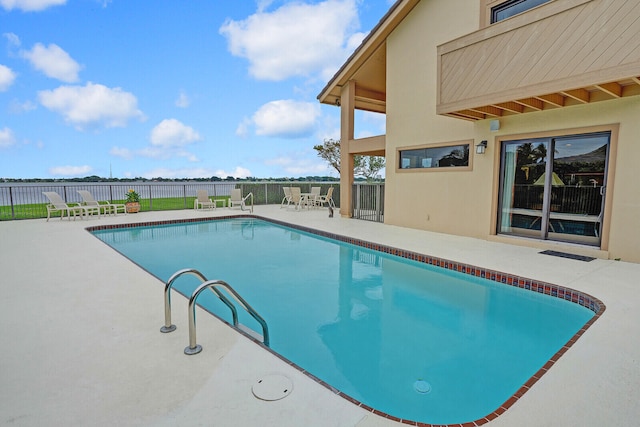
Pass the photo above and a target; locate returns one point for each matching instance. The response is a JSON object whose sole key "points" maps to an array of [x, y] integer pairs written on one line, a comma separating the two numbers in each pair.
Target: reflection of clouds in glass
{"points": [[578, 146]]}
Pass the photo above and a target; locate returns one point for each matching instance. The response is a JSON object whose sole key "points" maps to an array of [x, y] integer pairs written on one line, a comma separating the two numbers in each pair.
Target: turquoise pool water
{"points": [[414, 341]]}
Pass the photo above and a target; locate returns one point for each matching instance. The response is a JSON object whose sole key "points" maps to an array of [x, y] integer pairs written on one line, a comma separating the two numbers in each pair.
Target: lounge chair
{"points": [[327, 198], [203, 201], [238, 200], [56, 204], [105, 207], [287, 196]]}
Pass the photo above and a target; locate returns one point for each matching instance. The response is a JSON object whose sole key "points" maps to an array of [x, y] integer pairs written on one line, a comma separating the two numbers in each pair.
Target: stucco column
{"points": [[347, 102]]}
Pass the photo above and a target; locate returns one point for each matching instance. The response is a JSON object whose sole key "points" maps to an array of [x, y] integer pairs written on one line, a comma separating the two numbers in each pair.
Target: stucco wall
{"points": [[427, 200], [463, 202]]}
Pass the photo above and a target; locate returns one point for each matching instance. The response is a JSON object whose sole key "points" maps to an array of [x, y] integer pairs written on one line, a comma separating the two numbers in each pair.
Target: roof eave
{"points": [[378, 35]]}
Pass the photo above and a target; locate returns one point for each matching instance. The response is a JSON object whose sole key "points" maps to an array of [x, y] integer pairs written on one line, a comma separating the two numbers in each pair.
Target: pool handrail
{"points": [[195, 348], [168, 327]]}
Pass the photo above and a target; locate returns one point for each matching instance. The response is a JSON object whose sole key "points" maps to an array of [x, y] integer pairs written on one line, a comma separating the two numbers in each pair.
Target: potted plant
{"points": [[132, 201]]}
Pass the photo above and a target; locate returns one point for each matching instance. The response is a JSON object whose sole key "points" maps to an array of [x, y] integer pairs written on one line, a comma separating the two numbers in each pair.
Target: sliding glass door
{"points": [[554, 188]]}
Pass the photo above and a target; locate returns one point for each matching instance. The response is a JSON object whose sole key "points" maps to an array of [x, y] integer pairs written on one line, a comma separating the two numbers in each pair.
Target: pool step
{"points": [[247, 330]]}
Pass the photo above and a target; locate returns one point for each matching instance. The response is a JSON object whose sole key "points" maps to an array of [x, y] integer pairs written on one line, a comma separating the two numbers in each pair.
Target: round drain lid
{"points": [[272, 387], [422, 386]]}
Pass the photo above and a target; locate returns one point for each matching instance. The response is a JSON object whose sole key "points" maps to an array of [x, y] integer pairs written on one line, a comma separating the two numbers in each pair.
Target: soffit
{"points": [[367, 65]]}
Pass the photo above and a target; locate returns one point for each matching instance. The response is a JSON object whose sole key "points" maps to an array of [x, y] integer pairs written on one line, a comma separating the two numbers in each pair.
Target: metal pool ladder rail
{"points": [[194, 348]]}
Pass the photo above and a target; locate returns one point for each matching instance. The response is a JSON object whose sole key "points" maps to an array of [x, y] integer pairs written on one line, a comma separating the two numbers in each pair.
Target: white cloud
{"points": [[243, 128], [121, 152], [173, 133], [30, 5], [296, 39], [7, 77], [306, 167], [164, 153], [183, 100], [12, 39], [53, 61], [6, 138], [168, 139], [17, 107], [70, 170], [239, 172], [92, 105], [297, 165], [286, 119]]}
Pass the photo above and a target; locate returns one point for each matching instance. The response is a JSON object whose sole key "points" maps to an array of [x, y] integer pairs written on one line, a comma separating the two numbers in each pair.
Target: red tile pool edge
{"points": [[556, 291]]}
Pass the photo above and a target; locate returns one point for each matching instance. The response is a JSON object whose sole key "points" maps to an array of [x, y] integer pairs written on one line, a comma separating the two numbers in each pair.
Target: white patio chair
{"points": [[327, 198], [287, 196], [315, 195], [105, 207], [56, 204], [238, 200], [203, 201], [297, 199]]}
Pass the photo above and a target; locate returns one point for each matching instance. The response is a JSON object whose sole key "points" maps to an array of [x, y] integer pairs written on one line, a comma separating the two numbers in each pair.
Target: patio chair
{"points": [[297, 199], [56, 204], [287, 196], [327, 198], [315, 195], [203, 201], [105, 207], [238, 200]]}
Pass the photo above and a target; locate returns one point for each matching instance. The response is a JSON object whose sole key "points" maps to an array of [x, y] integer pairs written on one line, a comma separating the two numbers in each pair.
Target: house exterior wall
{"points": [[464, 202], [430, 200]]}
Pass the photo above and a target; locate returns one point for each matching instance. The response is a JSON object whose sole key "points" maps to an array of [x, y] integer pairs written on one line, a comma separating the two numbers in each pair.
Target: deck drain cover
{"points": [[569, 256], [272, 387]]}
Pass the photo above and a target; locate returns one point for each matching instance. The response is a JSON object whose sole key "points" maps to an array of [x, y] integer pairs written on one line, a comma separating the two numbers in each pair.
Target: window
{"points": [[434, 157], [513, 7]]}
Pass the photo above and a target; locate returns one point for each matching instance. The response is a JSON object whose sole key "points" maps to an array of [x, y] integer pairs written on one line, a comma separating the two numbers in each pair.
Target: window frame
{"points": [[468, 167], [508, 4]]}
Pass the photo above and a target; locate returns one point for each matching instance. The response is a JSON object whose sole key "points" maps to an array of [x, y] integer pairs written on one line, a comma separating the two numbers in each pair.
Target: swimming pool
{"points": [[390, 330]]}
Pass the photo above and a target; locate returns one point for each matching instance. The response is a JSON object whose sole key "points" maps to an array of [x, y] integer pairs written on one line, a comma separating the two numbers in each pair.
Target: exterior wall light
{"points": [[481, 148]]}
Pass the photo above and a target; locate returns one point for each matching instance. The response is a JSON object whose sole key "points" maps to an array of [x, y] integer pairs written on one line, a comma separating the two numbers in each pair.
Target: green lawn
{"points": [[39, 210]]}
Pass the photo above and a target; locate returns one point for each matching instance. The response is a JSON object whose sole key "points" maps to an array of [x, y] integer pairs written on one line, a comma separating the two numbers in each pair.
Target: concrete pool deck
{"points": [[81, 342]]}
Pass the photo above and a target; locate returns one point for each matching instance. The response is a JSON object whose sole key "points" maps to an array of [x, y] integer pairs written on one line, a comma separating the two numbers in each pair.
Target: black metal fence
{"points": [[368, 201], [26, 201]]}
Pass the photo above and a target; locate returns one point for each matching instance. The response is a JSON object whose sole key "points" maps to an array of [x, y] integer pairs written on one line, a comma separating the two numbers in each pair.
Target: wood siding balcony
{"points": [[563, 53]]}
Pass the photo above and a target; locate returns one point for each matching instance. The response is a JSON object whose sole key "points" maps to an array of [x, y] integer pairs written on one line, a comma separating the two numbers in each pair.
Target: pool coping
{"points": [[565, 293]]}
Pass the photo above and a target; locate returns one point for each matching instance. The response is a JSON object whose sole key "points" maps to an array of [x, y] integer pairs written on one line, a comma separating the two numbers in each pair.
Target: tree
{"points": [[364, 166]]}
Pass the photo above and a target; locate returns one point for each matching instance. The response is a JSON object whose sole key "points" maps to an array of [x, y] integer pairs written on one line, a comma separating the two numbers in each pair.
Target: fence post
{"points": [[378, 202], [13, 213]]}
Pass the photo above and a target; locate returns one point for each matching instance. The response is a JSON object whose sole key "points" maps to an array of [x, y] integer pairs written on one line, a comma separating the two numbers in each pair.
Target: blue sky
{"points": [[172, 89]]}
